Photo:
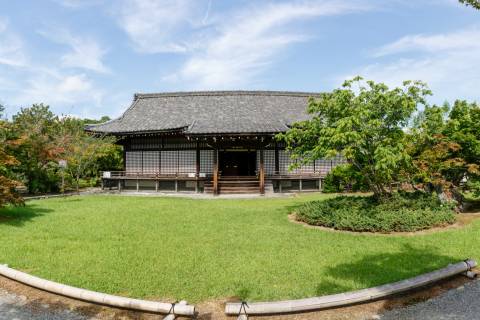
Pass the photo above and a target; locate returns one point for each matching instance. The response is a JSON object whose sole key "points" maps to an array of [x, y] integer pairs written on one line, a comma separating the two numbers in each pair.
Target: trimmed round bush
{"points": [[403, 212]]}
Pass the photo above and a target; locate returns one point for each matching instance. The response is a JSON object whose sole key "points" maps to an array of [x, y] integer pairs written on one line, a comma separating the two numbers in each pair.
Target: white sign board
{"points": [[62, 163], [107, 174]]}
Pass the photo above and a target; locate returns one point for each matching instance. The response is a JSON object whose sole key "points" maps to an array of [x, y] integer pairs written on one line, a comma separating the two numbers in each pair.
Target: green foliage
{"points": [[473, 3], [35, 128], [344, 177], [362, 121], [445, 146], [82, 150], [42, 139], [403, 212]]}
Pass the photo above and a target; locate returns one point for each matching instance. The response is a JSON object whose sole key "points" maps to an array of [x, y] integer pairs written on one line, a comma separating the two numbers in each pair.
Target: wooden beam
{"points": [[348, 298], [96, 297]]}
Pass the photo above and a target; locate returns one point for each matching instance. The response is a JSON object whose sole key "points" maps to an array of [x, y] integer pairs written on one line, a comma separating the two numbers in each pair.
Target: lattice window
{"points": [[268, 161], [284, 163], [151, 162], [324, 166], [133, 162], [187, 161], [206, 161], [168, 162]]}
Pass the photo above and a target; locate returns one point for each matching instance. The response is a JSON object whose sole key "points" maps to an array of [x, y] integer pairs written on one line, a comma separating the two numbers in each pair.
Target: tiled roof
{"points": [[210, 112]]}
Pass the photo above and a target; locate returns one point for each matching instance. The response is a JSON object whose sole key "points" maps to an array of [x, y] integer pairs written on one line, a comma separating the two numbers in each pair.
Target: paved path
{"points": [[14, 307], [462, 303]]}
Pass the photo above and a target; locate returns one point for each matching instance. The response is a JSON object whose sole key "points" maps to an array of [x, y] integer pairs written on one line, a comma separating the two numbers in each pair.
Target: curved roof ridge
{"points": [[225, 93], [207, 112]]}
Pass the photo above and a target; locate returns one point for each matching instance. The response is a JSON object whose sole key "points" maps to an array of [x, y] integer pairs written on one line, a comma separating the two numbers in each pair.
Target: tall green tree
{"points": [[83, 151], [37, 152], [472, 3], [364, 122], [445, 147]]}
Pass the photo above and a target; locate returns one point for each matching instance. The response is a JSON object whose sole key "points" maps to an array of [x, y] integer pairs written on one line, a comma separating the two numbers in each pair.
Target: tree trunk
{"points": [[78, 183]]}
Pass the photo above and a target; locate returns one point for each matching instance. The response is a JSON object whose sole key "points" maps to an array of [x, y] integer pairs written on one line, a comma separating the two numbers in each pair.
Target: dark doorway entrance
{"points": [[237, 162]]}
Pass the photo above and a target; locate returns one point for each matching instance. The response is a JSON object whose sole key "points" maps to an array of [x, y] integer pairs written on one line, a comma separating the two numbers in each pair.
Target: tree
{"points": [[8, 193], [82, 150], [473, 3], [363, 122], [445, 146], [37, 152]]}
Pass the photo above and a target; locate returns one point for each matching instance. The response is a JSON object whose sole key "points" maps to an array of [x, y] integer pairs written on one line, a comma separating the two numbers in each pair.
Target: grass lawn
{"points": [[198, 250]]}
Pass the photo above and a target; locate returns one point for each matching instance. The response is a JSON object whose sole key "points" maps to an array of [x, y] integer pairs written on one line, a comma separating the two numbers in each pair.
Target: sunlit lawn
{"points": [[205, 249]]}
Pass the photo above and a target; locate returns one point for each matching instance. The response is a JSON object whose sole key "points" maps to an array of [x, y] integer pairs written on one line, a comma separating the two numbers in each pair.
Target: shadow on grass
{"points": [[387, 267], [18, 216]]}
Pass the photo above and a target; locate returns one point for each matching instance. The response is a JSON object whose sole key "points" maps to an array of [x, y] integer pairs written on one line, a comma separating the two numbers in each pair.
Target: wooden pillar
{"points": [[119, 185], [300, 186], [176, 185], [156, 185], [262, 172], [215, 172], [280, 186], [138, 186], [320, 184]]}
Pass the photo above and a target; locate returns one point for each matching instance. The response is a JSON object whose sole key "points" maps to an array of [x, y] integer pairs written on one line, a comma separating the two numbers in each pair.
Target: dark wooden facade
{"points": [[176, 162]]}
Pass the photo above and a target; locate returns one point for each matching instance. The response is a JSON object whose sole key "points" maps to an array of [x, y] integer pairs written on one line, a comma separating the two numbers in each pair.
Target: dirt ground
{"points": [[213, 310]]}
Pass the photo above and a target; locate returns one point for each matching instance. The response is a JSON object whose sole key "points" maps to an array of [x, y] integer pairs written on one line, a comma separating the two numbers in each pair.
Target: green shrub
{"points": [[402, 212], [343, 177]]}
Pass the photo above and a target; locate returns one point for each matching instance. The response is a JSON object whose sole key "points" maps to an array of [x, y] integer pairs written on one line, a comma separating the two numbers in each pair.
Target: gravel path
{"points": [[462, 303], [13, 307]]}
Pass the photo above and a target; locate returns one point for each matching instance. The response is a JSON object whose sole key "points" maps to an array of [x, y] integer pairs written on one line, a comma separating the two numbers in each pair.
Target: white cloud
{"points": [[156, 25], [55, 88], [86, 53], [449, 63], [75, 4], [12, 52], [247, 42], [460, 40]]}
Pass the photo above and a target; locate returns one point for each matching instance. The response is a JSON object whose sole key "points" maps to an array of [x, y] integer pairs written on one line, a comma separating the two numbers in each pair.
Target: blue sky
{"points": [[88, 57]]}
